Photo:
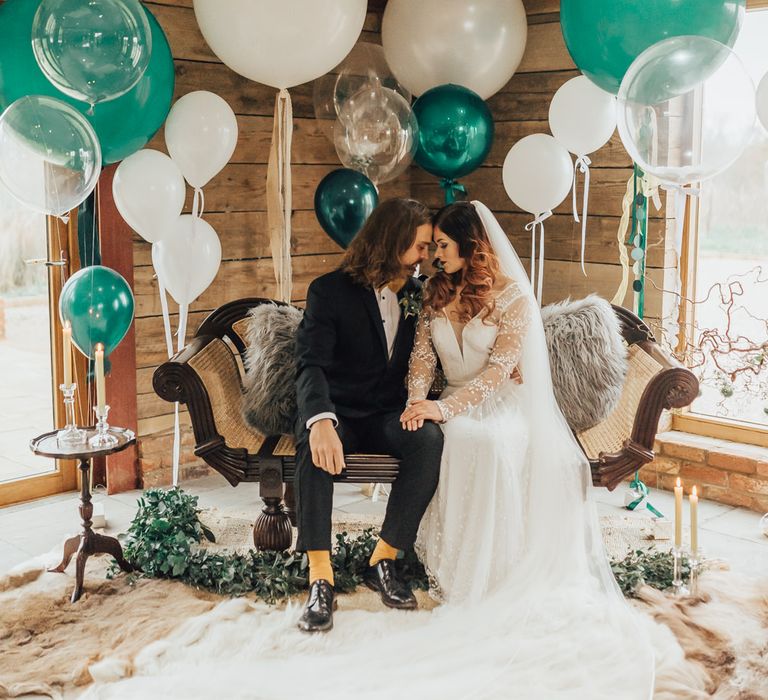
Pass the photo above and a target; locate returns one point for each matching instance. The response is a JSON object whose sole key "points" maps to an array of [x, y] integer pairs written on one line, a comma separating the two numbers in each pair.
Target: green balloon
{"points": [[98, 302], [455, 131], [605, 36], [123, 125], [344, 199]]}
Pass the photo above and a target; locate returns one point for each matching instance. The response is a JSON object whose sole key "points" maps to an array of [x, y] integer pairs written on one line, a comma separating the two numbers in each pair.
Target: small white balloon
{"points": [[201, 135], [281, 43], [187, 259], [761, 101], [537, 173], [475, 43], [582, 117], [149, 193]]}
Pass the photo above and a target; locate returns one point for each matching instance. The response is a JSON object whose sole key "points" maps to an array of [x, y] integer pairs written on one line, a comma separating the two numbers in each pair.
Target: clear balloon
{"points": [[475, 43], [50, 158], [92, 50], [537, 173], [201, 135], [280, 43], [364, 66], [686, 109], [147, 102], [149, 193], [761, 100], [187, 259], [376, 133]]}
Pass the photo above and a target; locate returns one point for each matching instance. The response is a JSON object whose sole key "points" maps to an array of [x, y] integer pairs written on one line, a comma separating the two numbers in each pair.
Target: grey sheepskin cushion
{"points": [[588, 358], [269, 398]]}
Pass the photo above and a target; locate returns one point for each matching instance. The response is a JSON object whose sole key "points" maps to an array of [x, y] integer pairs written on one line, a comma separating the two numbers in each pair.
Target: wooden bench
{"points": [[206, 376]]}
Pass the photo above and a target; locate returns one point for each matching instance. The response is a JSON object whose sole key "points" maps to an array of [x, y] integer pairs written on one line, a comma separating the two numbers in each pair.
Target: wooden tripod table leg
{"points": [[70, 547]]}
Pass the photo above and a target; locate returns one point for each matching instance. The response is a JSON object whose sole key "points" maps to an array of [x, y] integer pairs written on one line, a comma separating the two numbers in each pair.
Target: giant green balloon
{"points": [[455, 131], [98, 302], [605, 36], [344, 199], [123, 125]]}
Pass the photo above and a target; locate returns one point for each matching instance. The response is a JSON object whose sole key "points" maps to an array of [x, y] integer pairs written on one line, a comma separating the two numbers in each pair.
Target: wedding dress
{"points": [[512, 537]]}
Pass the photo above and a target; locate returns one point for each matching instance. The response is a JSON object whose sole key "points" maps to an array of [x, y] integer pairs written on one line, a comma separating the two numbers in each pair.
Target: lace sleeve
{"points": [[513, 324], [421, 367]]}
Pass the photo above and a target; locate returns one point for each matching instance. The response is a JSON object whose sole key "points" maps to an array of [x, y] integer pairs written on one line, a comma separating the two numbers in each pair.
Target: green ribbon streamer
{"points": [[640, 228], [637, 485], [451, 187]]}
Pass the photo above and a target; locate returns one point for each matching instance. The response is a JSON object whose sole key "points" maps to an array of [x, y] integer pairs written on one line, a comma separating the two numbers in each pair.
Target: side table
{"points": [[87, 542]]}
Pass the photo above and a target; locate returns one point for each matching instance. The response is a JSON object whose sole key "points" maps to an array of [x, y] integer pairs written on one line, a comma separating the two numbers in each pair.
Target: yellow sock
{"points": [[320, 565], [382, 551]]}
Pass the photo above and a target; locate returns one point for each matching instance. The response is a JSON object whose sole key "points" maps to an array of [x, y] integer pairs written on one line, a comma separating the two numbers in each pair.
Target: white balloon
{"points": [[201, 135], [149, 193], [537, 173], [281, 43], [582, 117], [187, 258], [761, 101], [474, 43]]}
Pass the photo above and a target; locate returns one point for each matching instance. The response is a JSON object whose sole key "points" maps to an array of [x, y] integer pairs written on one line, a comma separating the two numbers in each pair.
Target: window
{"points": [[727, 279]]}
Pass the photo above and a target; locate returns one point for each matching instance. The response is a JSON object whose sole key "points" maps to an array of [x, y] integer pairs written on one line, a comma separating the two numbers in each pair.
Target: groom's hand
{"points": [[413, 416], [326, 447]]}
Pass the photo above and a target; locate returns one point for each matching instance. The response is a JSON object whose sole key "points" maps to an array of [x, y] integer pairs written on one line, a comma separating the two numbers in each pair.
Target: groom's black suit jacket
{"points": [[341, 351]]}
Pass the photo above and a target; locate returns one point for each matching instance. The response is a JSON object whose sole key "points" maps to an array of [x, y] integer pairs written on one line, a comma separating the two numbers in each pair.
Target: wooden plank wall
{"points": [[235, 203]]}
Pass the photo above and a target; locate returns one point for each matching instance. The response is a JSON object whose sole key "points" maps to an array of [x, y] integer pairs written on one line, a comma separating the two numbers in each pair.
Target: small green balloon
{"points": [[455, 131], [605, 36], [344, 199], [98, 303], [123, 125]]}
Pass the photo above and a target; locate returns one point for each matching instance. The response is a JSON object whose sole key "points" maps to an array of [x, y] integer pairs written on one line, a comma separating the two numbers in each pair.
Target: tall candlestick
{"points": [[694, 501], [678, 513], [67, 352], [100, 393]]}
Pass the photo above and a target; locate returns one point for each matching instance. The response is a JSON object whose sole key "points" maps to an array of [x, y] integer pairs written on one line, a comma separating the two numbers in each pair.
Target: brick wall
{"points": [[723, 471]]}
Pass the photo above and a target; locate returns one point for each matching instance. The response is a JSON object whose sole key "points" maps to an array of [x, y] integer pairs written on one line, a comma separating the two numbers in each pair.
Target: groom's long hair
{"points": [[373, 256]]}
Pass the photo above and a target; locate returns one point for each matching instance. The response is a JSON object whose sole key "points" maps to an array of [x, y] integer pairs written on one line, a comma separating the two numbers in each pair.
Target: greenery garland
{"points": [[163, 541]]}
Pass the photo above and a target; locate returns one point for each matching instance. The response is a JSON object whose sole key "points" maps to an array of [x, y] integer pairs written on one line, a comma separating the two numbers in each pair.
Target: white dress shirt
{"points": [[389, 308]]}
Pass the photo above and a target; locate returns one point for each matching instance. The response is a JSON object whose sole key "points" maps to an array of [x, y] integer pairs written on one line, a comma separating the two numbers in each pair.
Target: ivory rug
{"points": [[712, 646]]}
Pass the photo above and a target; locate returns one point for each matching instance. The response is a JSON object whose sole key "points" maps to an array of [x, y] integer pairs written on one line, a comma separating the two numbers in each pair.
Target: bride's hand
{"points": [[413, 416]]}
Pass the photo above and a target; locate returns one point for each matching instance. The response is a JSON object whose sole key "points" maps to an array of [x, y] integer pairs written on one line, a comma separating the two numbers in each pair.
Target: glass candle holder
{"points": [[70, 435], [102, 437]]}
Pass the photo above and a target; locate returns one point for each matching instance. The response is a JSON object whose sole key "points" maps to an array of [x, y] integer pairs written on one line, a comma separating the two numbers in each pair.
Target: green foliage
{"points": [[649, 567], [163, 542]]}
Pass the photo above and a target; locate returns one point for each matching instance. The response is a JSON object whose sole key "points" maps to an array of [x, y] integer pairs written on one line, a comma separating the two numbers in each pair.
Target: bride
{"points": [[511, 538]]}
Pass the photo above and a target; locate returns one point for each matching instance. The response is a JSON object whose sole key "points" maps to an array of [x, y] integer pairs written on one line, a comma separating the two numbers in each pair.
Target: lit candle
{"points": [[100, 400], [678, 513], [694, 501], [67, 353]]}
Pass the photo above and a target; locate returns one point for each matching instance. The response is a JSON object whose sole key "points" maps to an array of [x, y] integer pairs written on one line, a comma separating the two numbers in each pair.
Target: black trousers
{"points": [[419, 452]]}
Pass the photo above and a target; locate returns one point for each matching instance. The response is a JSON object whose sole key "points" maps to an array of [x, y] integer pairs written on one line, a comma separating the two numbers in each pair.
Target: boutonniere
{"points": [[411, 303]]}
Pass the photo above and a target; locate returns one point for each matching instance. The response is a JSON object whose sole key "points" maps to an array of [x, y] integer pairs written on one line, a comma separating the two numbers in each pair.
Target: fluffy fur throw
{"points": [[269, 399], [588, 358], [586, 351]]}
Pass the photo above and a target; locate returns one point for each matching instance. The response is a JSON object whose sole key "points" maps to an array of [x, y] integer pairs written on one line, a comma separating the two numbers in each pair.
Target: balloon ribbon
{"points": [[451, 187], [538, 222]]}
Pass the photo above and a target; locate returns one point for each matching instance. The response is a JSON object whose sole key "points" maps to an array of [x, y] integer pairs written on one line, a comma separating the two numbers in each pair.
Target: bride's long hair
{"points": [[461, 223]]}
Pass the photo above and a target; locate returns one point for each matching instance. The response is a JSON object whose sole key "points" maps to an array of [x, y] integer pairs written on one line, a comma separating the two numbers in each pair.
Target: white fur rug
{"points": [[162, 639]]}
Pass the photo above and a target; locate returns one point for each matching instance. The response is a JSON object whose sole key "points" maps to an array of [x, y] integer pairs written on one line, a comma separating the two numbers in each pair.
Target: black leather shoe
{"points": [[394, 592], [318, 612]]}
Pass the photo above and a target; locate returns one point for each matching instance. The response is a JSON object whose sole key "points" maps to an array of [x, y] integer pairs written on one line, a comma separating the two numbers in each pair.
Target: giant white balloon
{"points": [[281, 43], [582, 117], [149, 193], [201, 135], [187, 258], [474, 43], [537, 173], [761, 99]]}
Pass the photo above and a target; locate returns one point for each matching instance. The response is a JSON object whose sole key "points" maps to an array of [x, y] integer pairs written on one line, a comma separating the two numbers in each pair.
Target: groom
{"points": [[352, 352]]}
